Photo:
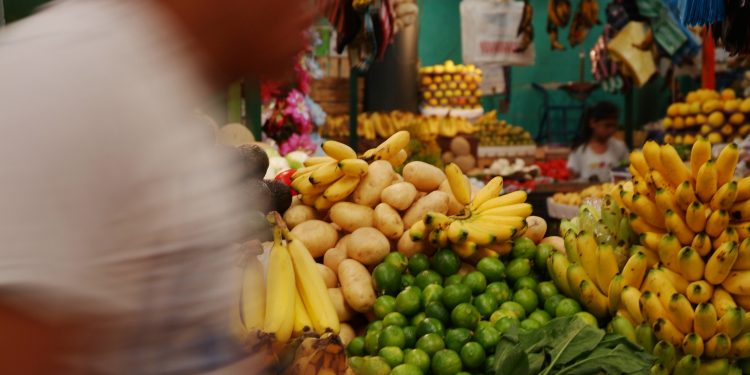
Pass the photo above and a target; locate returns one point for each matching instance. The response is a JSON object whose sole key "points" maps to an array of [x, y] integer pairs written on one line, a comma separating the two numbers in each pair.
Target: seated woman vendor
{"points": [[596, 151]]}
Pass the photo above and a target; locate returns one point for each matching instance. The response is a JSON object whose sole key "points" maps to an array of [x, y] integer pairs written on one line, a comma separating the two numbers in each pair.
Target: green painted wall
{"points": [[440, 39], [17, 9]]}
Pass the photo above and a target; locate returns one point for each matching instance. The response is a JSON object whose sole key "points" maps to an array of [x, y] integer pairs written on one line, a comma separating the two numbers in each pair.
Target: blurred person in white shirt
{"points": [[117, 211]]}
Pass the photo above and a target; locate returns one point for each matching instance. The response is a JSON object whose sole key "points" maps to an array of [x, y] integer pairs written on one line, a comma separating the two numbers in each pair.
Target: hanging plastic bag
{"points": [[489, 33]]}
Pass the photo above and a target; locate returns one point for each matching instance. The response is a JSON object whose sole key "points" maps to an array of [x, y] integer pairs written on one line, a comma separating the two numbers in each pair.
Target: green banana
{"points": [[665, 352], [688, 365]]}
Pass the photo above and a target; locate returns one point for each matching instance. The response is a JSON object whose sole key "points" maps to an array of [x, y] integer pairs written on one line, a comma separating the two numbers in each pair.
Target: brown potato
{"points": [[318, 236], [399, 195], [333, 257], [388, 221], [346, 333], [436, 201], [356, 285], [537, 228], [367, 246], [298, 214], [454, 207], [379, 176], [351, 216], [329, 276], [343, 310], [465, 269], [425, 177], [408, 247], [557, 242]]}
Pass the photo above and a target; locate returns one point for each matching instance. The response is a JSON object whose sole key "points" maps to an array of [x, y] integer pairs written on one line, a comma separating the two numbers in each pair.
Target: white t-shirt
{"points": [[114, 202], [587, 163]]}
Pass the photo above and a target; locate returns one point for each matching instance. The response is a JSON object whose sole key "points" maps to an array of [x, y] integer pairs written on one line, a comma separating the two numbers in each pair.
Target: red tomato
{"points": [[286, 178]]}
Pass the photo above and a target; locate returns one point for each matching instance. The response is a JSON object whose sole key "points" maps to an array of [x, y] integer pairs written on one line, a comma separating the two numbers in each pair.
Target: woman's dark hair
{"points": [[603, 110]]}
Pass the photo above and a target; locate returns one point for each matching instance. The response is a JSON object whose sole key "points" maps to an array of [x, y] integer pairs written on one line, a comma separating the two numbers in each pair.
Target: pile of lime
{"points": [[433, 317]]}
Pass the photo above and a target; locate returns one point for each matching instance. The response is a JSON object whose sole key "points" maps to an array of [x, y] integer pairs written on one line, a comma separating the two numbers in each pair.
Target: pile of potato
{"points": [[355, 235]]}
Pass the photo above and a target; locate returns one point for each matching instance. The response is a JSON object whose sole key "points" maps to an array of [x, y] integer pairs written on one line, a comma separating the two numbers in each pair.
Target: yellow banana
{"points": [[731, 323], [743, 189], [392, 146], [676, 279], [699, 155], [685, 195], [514, 221], [691, 265], [701, 243], [465, 249], [738, 282], [308, 170], [717, 222], [630, 298], [658, 181], [726, 162], [744, 302], [459, 231], [418, 231], [433, 220], [303, 185], [575, 275], [668, 250], [665, 329], [253, 297], [658, 283], [594, 300], [399, 159], [338, 150], [677, 226], [714, 367], [587, 252], [682, 311], [675, 170], [279, 319], [646, 209], [557, 265], [606, 267], [627, 200], [705, 320], [640, 186], [638, 161], [613, 293], [706, 182], [718, 346], [696, 216], [316, 160], [692, 345], [491, 190], [666, 200], [301, 317], [652, 257], [725, 196], [326, 174], [309, 199], [722, 301], [652, 154], [743, 230], [499, 232], [513, 199], [740, 346], [322, 203], [312, 288], [743, 257], [720, 264], [341, 189], [651, 308], [728, 235], [741, 211], [354, 167], [699, 291], [459, 183], [640, 226], [651, 240], [635, 270]]}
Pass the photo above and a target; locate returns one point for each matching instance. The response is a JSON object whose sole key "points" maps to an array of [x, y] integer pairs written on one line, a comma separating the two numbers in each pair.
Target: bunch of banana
{"points": [[326, 180], [382, 125], [486, 225], [316, 355]]}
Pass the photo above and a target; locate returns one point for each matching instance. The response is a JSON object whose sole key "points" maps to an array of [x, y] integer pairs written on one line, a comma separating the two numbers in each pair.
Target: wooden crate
{"points": [[333, 95]]}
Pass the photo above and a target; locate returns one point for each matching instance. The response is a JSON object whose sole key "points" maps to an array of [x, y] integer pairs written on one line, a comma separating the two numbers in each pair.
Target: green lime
{"points": [[550, 304], [397, 260], [523, 247], [386, 278], [446, 362], [486, 304], [540, 316], [418, 318], [515, 308], [432, 292], [430, 325], [502, 313], [392, 355], [392, 336], [426, 278], [527, 282], [446, 262], [567, 307], [472, 355], [355, 363], [463, 373], [453, 295], [430, 343], [372, 342], [455, 338], [409, 301], [406, 280], [500, 290], [546, 289], [395, 319], [465, 315], [418, 263], [410, 336], [356, 347], [453, 280], [492, 268], [483, 323], [530, 324], [375, 325], [476, 282], [406, 369], [526, 298], [383, 306], [436, 310], [374, 366], [518, 268], [543, 251], [588, 318], [506, 322], [418, 358], [488, 337], [489, 364]]}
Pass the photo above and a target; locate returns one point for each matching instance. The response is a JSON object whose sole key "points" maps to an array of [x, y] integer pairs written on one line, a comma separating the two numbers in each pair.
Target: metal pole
{"points": [[252, 107], [2, 13], [353, 110]]}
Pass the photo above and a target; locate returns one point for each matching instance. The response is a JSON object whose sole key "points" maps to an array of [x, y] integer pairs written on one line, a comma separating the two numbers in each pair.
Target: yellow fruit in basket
{"points": [[695, 108], [433, 87], [705, 129], [669, 138], [679, 123], [728, 94], [716, 119], [701, 119], [731, 106], [745, 105], [737, 118], [683, 109], [744, 130], [667, 123], [427, 95], [692, 97], [711, 106], [715, 137], [678, 140], [432, 102], [673, 110], [688, 139], [727, 130], [447, 78], [689, 121]]}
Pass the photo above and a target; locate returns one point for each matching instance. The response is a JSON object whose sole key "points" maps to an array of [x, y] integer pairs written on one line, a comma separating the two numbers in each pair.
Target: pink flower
{"points": [[297, 142], [297, 109], [303, 77], [269, 89]]}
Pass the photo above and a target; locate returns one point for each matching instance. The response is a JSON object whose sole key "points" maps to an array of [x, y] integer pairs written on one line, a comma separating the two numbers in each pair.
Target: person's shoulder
{"points": [[617, 144]]}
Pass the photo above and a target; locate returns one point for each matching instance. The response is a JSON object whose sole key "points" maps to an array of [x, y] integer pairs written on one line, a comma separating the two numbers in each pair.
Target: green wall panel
{"points": [[17, 9]]}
